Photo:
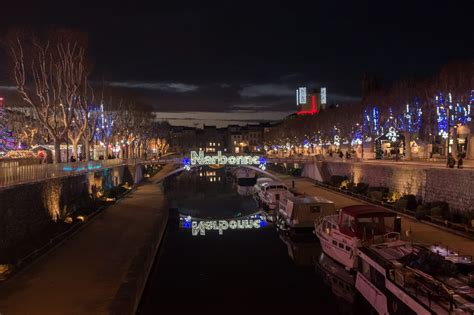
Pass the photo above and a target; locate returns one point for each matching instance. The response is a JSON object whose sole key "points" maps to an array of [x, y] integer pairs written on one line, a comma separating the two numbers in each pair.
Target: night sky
{"points": [[238, 62]]}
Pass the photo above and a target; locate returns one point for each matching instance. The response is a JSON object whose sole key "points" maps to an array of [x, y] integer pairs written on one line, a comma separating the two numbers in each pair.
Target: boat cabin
{"points": [[365, 221], [301, 211]]}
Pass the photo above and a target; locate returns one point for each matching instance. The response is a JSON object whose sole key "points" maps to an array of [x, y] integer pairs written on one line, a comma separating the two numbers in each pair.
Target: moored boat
{"points": [[404, 278], [341, 234], [269, 194], [301, 211]]}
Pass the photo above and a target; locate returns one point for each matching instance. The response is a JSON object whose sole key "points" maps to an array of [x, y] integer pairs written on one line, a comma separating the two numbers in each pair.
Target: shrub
{"points": [[360, 188], [393, 197], [401, 204], [411, 202], [421, 213], [375, 195], [382, 189], [336, 180], [436, 212], [345, 184], [440, 204]]}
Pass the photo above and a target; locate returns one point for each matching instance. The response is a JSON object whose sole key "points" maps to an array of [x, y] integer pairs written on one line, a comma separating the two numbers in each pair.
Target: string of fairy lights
{"points": [[450, 112]]}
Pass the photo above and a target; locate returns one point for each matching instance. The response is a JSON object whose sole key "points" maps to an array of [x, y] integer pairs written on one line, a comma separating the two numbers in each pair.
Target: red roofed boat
{"points": [[355, 226]]}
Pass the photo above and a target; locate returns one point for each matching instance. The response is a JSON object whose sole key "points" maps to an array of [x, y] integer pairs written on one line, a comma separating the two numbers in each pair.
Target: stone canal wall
{"points": [[27, 211], [429, 184]]}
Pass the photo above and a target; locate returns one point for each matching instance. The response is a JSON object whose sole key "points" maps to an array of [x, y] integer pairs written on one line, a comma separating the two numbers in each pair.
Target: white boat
{"points": [[340, 235], [403, 278], [260, 181], [270, 193], [301, 211]]}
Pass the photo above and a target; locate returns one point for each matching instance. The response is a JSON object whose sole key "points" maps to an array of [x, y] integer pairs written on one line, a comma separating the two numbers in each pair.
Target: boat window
{"points": [[364, 268], [348, 223], [377, 279], [334, 242], [341, 245], [348, 248], [369, 227]]}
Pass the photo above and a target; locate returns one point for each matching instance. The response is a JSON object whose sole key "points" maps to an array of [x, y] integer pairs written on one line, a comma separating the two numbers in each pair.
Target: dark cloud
{"points": [[162, 86]]}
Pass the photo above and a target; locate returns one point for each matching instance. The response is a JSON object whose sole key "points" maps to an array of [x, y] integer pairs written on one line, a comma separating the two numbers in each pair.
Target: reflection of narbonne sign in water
{"points": [[202, 159], [200, 227]]}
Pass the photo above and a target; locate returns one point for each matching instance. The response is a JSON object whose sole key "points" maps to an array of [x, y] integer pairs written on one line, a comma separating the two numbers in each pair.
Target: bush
{"points": [[375, 195], [393, 197], [360, 188], [336, 180], [401, 204], [439, 204], [382, 189], [411, 202], [421, 213], [345, 184], [436, 212]]}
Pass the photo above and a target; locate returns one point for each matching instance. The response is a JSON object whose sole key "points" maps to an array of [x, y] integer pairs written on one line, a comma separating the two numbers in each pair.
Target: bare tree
{"points": [[50, 74]]}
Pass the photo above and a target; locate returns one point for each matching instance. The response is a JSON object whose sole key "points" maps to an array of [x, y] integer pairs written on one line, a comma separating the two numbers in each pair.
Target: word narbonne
{"points": [[200, 227], [202, 159]]}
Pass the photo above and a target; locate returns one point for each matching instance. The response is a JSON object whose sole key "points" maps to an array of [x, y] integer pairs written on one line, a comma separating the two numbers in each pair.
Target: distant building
{"points": [[233, 139], [310, 102]]}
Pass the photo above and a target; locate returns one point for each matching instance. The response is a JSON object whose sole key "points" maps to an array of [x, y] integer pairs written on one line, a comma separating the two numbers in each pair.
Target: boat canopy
{"points": [[365, 221]]}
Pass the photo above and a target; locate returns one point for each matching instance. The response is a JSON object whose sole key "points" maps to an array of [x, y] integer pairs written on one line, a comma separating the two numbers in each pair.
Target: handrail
{"points": [[14, 175]]}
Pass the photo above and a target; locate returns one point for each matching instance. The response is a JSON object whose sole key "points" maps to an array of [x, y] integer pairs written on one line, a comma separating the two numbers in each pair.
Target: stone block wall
{"points": [[28, 210], [429, 184]]}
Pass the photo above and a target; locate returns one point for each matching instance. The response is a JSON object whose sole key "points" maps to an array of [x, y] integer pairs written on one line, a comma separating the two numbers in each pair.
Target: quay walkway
{"points": [[100, 269], [420, 232]]}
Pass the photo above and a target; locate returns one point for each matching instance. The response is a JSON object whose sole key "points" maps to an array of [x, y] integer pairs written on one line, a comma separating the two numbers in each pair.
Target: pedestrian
{"points": [[451, 161], [341, 155], [73, 159], [460, 162], [80, 157], [348, 155]]}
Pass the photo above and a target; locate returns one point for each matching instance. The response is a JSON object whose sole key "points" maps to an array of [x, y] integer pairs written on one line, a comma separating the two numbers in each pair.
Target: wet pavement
{"points": [[222, 257]]}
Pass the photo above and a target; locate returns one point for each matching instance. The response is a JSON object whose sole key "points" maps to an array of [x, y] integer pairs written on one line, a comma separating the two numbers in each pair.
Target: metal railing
{"points": [[14, 175]]}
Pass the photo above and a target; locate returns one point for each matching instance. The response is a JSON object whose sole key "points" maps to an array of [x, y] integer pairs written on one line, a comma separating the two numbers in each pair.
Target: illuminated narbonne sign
{"points": [[199, 158], [200, 227]]}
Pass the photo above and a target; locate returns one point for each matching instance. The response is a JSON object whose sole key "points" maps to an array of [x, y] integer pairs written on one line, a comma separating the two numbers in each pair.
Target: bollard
{"points": [[397, 225]]}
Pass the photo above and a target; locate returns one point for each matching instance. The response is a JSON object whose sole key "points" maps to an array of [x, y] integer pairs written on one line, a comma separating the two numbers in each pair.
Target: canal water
{"points": [[222, 257]]}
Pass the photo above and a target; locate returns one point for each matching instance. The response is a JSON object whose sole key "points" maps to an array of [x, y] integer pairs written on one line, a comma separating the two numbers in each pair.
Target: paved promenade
{"points": [[88, 272], [420, 232]]}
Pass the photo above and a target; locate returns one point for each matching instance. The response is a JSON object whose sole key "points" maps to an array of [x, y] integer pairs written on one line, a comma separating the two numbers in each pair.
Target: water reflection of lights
{"points": [[199, 227]]}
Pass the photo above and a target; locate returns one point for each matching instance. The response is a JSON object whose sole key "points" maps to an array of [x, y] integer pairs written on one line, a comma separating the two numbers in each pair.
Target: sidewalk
{"points": [[86, 273], [422, 233]]}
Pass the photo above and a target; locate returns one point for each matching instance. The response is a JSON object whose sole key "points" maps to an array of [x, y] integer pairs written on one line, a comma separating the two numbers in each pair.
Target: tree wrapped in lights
{"points": [[371, 124], [7, 141], [410, 123]]}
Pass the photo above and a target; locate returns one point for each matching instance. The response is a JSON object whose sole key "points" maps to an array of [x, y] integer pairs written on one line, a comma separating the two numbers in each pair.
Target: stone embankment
{"points": [[454, 186]]}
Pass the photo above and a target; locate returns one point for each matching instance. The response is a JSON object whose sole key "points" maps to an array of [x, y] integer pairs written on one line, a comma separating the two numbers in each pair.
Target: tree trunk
{"points": [[57, 150], [407, 136], [87, 150], [106, 155], [454, 148], [75, 145]]}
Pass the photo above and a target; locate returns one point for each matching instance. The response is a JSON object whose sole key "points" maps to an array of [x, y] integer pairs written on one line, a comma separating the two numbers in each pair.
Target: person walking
{"points": [[451, 161], [460, 161]]}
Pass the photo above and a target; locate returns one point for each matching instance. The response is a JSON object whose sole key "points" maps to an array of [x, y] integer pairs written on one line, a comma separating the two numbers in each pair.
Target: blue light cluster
{"points": [[371, 125], [410, 120]]}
